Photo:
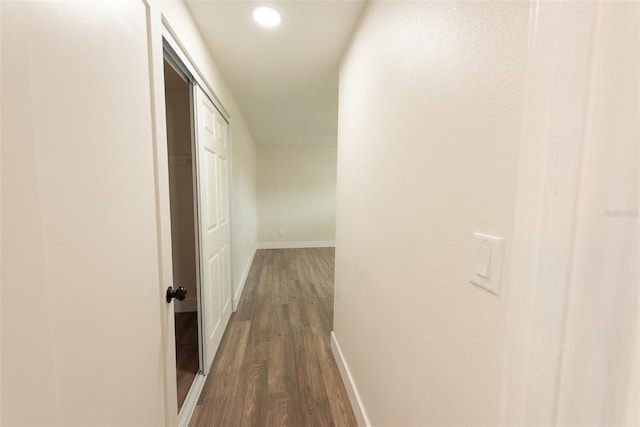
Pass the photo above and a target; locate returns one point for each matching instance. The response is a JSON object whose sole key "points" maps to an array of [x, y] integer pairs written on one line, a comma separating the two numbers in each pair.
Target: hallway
{"points": [[274, 365]]}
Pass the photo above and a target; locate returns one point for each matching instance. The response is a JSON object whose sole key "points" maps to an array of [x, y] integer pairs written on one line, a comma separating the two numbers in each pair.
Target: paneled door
{"points": [[212, 149]]}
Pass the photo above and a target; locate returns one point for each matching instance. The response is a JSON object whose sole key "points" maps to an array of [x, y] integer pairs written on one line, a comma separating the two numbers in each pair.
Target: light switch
{"points": [[483, 262], [486, 261]]}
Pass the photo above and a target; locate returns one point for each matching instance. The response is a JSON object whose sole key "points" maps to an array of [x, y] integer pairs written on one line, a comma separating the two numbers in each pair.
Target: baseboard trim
{"points": [[297, 245], [243, 280], [190, 402], [349, 384]]}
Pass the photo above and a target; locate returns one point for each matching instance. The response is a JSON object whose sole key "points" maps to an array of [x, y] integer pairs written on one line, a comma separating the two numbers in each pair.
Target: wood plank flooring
{"points": [[274, 366], [187, 362]]}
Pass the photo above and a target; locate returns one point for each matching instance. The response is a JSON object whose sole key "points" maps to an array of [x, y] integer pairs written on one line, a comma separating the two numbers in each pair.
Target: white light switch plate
{"points": [[486, 261]]}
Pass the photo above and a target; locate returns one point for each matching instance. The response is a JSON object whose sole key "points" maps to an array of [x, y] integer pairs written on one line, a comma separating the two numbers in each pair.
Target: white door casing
{"points": [[573, 307], [213, 205]]}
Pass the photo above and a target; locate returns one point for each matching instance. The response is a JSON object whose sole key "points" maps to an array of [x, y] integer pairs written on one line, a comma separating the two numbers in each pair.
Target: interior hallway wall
{"points": [[81, 338], [244, 224], [296, 194], [77, 156], [430, 106]]}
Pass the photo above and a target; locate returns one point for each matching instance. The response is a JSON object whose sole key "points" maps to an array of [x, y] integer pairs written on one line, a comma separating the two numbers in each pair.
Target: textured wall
{"points": [[81, 314], [296, 193], [81, 308], [429, 126]]}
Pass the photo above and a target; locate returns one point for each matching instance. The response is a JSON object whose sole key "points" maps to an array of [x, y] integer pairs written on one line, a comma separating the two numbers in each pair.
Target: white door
{"points": [[213, 209], [83, 341]]}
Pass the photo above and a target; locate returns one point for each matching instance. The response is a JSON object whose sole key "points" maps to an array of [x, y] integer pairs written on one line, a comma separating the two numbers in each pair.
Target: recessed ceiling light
{"points": [[266, 16]]}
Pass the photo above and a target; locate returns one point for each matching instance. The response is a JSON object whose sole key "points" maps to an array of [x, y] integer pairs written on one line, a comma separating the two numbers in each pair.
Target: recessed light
{"points": [[266, 16]]}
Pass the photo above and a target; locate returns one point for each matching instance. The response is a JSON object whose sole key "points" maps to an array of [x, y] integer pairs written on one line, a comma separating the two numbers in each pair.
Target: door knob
{"points": [[180, 294]]}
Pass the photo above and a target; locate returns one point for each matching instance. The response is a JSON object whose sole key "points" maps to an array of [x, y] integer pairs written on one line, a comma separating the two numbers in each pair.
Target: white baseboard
{"points": [[190, 303], [191, 400], [349, 384], [243, 280], [297, 245]]}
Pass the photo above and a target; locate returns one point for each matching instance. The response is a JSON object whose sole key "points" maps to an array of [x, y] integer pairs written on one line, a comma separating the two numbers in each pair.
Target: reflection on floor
{"points": [[274, 366], [186, 352]]}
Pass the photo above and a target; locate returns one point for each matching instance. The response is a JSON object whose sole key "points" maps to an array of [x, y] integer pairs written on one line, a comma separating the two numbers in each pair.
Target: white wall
{"points": [[82, 309], [244, 226], [243, 150], [429, 127], [296, 193], [81, 296]]}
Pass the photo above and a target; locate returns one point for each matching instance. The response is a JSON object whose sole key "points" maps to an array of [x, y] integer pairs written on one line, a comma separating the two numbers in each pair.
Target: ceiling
{"points": [[284, 79]]}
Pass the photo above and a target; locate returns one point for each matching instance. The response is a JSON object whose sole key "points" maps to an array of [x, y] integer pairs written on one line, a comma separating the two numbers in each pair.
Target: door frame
{"points": [[180, 68], [555, 216], [161, 34]]}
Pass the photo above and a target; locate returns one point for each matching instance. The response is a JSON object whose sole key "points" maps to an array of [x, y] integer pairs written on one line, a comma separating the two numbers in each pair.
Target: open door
{"points": [[178, 103], [213, 204], [207, 147], [84, 340]]}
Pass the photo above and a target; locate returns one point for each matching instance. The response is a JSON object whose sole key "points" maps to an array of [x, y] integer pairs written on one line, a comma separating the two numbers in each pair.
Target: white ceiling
{"points": [[284, 79]]}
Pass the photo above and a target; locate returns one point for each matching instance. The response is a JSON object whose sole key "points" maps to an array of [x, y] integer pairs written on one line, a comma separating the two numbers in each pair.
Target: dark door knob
{"points": [[180, 294]]}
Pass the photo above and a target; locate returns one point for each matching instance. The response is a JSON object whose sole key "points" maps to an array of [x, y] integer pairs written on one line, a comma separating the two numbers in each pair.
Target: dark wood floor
{"points": [[274, 366], [187, 363]]}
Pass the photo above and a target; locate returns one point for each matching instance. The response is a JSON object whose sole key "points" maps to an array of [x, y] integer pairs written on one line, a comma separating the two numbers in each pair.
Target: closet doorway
{"points": [[183, 228], [198, 174]]}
